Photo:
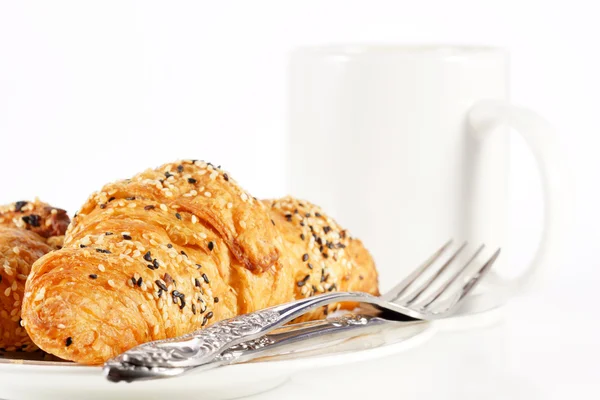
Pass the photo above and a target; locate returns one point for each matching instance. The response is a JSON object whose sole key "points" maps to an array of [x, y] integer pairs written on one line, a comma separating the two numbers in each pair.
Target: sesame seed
{"points": [[205, 278], [209, 315], [68, 341], [302, 236], [170, 246], [305, 257], [150, 207], [126, 237], [103, 251], [244, 197], [273, 222], [216, 299], [155, 263], [101, 268], [194, 309], [229, 205], [207, 194], [161, 285], [243, 224], [164, 207], [309, 266], [180, 168], [226, 177], [111, 283], [61, 326], [194, 219], [211, 246], [148, 256], [16, 250], [203, 235], [192, 180], [177, 215], [93, 276]]}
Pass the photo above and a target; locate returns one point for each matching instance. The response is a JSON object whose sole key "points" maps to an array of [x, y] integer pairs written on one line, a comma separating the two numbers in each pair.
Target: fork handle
{"points": [[200, 347]]}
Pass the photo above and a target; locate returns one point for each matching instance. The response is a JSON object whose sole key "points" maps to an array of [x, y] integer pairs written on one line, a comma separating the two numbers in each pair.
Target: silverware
{"points": [[424, 295], [298, 338]]}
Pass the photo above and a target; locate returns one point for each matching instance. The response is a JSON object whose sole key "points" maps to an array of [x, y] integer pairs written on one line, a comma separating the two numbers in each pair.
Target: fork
{"points": [[409, 300]]}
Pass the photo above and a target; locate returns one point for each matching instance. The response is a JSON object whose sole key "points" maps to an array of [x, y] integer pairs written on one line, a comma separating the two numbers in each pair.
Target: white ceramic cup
{"points": [[408, 146]]}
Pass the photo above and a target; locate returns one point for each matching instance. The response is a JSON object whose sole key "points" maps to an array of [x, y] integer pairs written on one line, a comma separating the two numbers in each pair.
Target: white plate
{"points": [[24, 380]]}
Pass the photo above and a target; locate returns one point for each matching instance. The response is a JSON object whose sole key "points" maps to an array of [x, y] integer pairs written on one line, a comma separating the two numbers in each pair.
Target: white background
{"points": [[94, 91]]}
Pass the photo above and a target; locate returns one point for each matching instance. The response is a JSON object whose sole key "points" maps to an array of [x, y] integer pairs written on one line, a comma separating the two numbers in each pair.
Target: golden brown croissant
{"points": [[28, 230], [176, 249]]}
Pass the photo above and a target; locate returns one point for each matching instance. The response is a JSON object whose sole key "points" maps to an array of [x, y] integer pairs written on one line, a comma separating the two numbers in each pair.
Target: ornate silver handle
{"points": [[200, 347], [285, 340]]}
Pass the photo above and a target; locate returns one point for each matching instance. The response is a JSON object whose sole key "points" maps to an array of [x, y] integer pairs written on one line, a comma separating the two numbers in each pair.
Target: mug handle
{"points": [[487, 115]]}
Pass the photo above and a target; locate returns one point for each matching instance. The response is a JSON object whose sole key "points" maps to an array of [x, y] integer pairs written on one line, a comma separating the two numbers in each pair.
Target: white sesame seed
{"points": [[7, 292], [203, 235], [243, 224], [61, 326], [244, 197], [207, 194], [194, 219], [132, 205], [111, 283], [229, 205], [54, 211], [16, 250], [101, 268], [213, 175], [164, 207]]}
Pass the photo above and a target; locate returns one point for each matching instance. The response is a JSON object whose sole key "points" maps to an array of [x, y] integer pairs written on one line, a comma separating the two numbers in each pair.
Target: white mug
{"points": [[408, 147]]}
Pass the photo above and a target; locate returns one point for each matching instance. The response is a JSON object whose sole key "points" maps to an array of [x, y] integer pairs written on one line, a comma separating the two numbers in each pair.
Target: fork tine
{"points": [[399, 289], [427, 284], [476, 278], [442, 289]]}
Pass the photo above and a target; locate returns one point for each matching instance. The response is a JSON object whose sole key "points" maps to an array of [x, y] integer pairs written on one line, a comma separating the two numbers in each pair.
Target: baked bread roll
{"points": [[28, 230], [176, 249]]}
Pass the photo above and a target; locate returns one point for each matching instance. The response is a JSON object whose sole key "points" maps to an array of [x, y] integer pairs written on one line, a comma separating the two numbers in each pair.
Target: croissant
{"points": [[28, 230], [176, 249]]}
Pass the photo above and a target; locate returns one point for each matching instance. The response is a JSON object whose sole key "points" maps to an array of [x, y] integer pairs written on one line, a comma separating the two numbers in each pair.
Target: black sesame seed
{"points": [[300, 283], [194, 309], [133, 281], [302, 236], [325, 255], [326, 310], [273, 222], [155, 263], [150, 207], [111, 199], [332, 287], [216, 299], [326, 229], [167, 278], [150, 267], [170, 246], [209, 315], [330, 245], [341, 246], [19, 205], [226, 177], [82, 246], [192, 180], [204, 321], [301, 223], [196, 282], [102, 206], [183, 253], [305, 257], [92, 276], [130, 198], [205, 278], [126, 237], [159, 293], [182, 305], [180, 168], [140, 281], [309, 266], [148, 256], [69, 341], [161, 285], [211, 246], [177, 215], [288, 217], [307, 215], [317, 214], [109, 233], [168, 175], [198, 266], [103, 251], [33, 220]]}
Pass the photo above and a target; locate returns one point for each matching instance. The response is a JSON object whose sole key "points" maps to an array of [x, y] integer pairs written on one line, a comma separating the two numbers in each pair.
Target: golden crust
{"points": [[176, 249], [28, 230]]}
